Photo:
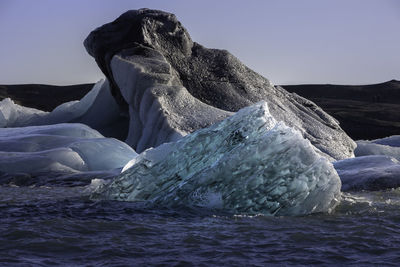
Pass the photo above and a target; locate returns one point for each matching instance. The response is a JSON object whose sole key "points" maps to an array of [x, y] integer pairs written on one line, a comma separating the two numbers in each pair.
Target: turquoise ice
{"points": [[248, 163]]}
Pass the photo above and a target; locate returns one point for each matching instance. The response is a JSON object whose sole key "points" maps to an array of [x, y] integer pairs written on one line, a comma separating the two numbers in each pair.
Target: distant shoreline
{"points": [[364, 111], [42, 96]]}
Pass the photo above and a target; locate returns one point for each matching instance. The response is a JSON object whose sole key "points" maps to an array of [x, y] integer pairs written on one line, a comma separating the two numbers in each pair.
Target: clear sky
{"points": [[287, 41]]}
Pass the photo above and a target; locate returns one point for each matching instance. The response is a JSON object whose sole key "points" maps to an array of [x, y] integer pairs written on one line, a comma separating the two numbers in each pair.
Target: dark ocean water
{"points": [[59, 225]]}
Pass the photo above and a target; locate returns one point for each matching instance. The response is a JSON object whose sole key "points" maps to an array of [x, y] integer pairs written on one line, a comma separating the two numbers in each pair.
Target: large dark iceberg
{"points": [[170, 86]]}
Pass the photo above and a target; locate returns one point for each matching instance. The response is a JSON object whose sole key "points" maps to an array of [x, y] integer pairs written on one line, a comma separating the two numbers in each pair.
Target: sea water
{"points": [[57, 224], [47, 220]]}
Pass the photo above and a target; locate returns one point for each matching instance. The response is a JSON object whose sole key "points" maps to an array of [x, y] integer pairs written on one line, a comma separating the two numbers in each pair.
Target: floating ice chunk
{"points": [[12, 115], [374, 172], [63, 129], [94, 185], [104, 153], [393, 140], [365, 148], [60, 148], [104, 114], [69, 111], [375, 167], [52, 160], [248, 163], [96, 109]]}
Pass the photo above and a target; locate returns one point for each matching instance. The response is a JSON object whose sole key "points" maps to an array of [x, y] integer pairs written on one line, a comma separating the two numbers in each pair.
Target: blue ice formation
{"points": [[247, 163]]}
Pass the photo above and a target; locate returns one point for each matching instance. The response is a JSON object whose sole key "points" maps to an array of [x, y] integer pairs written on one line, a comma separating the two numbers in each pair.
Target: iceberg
{"points": [[393, 141], [14, 115], [160, 108], [248, 163], [162, 86], [372, 173], [170, 86], [96, 109], [375, 167], [60, 148], [379, 147]]}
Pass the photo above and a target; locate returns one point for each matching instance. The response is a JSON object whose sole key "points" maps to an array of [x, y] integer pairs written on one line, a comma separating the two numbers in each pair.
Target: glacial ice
{"points": [[393, 141], [374, 172], [375, 167], [159, 111], [378, 147], [69, 111], [247, 163], [173, 86], [13, 115], [64, 148], [96, 109], [160, 108]]}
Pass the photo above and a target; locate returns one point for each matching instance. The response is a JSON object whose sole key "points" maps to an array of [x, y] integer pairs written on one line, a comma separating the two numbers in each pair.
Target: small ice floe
{"points": [[375, 167]]}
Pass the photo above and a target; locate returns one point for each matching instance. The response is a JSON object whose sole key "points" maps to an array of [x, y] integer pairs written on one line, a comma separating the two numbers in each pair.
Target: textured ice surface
{"points": [[378, 147], [374, 172], [160, 108], [149, 56], [60, 148], [248, 163]]}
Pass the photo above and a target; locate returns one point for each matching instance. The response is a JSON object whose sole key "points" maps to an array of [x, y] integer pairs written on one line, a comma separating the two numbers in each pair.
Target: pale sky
{"points": [[287, 41]]}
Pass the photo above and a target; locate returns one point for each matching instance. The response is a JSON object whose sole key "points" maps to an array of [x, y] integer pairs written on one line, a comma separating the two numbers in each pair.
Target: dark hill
{"points": [[364, 111]]}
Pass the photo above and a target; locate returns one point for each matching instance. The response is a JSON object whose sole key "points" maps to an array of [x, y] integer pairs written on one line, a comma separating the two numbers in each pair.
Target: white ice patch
{"points": [[97, 109], [12, 115], [374, 172], [247, 164], [393, 141], [60, 148], [94, 185], [72, 110], [375, 167], [365, 148]]}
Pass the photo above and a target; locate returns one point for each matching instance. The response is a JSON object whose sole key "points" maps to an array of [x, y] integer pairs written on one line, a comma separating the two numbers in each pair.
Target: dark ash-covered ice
{"points": [[153, 64]]}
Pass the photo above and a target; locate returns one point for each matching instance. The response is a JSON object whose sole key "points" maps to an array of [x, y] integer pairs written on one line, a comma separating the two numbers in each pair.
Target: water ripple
{"points": [[61, 226]]}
